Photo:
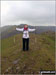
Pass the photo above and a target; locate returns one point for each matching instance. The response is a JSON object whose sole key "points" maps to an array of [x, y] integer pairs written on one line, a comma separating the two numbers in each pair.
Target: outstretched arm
{"points": [[19, 29], [31, 30]]}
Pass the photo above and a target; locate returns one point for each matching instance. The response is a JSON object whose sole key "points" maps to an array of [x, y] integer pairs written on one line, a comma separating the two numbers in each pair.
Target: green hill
{"points": [[41, 55]]}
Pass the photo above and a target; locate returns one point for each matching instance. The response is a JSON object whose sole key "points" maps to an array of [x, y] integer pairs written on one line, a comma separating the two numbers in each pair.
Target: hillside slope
{"points": [[8, 31], [41, 55]]}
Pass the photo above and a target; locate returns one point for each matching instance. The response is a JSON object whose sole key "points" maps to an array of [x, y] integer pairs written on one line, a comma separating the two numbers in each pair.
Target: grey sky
{"points": [[28, 12]]}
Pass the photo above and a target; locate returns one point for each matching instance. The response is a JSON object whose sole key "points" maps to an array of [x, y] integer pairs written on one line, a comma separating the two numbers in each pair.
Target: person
{"points": [[25, 31]]}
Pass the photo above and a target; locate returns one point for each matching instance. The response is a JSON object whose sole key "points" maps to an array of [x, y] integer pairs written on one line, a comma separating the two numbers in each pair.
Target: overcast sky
{"points": [[28, 12]]}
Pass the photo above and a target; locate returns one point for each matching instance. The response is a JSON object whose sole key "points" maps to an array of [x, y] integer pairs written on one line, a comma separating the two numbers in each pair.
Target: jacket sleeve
{"points": [[31, 30], [19, 29]]}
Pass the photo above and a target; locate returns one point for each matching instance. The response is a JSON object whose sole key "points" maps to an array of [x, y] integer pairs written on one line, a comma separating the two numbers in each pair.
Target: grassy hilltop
{"points": [[41, 55]]}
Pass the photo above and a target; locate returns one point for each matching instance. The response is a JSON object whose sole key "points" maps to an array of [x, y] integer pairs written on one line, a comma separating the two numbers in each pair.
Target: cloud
{"points": [[30, 12]]}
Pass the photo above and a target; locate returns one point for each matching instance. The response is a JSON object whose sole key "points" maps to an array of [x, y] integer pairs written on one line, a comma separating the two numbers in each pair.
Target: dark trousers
{"points": [[25, 44]]}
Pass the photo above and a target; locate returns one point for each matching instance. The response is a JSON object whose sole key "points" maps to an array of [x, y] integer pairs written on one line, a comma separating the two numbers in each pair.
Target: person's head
{"points": [[26, 26]]}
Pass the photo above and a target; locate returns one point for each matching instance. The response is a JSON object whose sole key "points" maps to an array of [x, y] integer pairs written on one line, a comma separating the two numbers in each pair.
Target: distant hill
{"points": [[8, 31]]}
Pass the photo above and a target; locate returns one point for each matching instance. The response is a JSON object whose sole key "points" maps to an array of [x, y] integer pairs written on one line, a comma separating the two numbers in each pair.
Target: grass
{"points": [[41, 55]]}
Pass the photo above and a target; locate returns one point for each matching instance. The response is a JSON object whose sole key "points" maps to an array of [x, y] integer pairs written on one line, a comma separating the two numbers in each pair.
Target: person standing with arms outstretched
{"points": [[25, 31]]}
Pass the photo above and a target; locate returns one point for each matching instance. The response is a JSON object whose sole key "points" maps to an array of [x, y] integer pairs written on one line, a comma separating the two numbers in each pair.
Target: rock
{"points": [[17, 68], [16, 61], [6, 70]]}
